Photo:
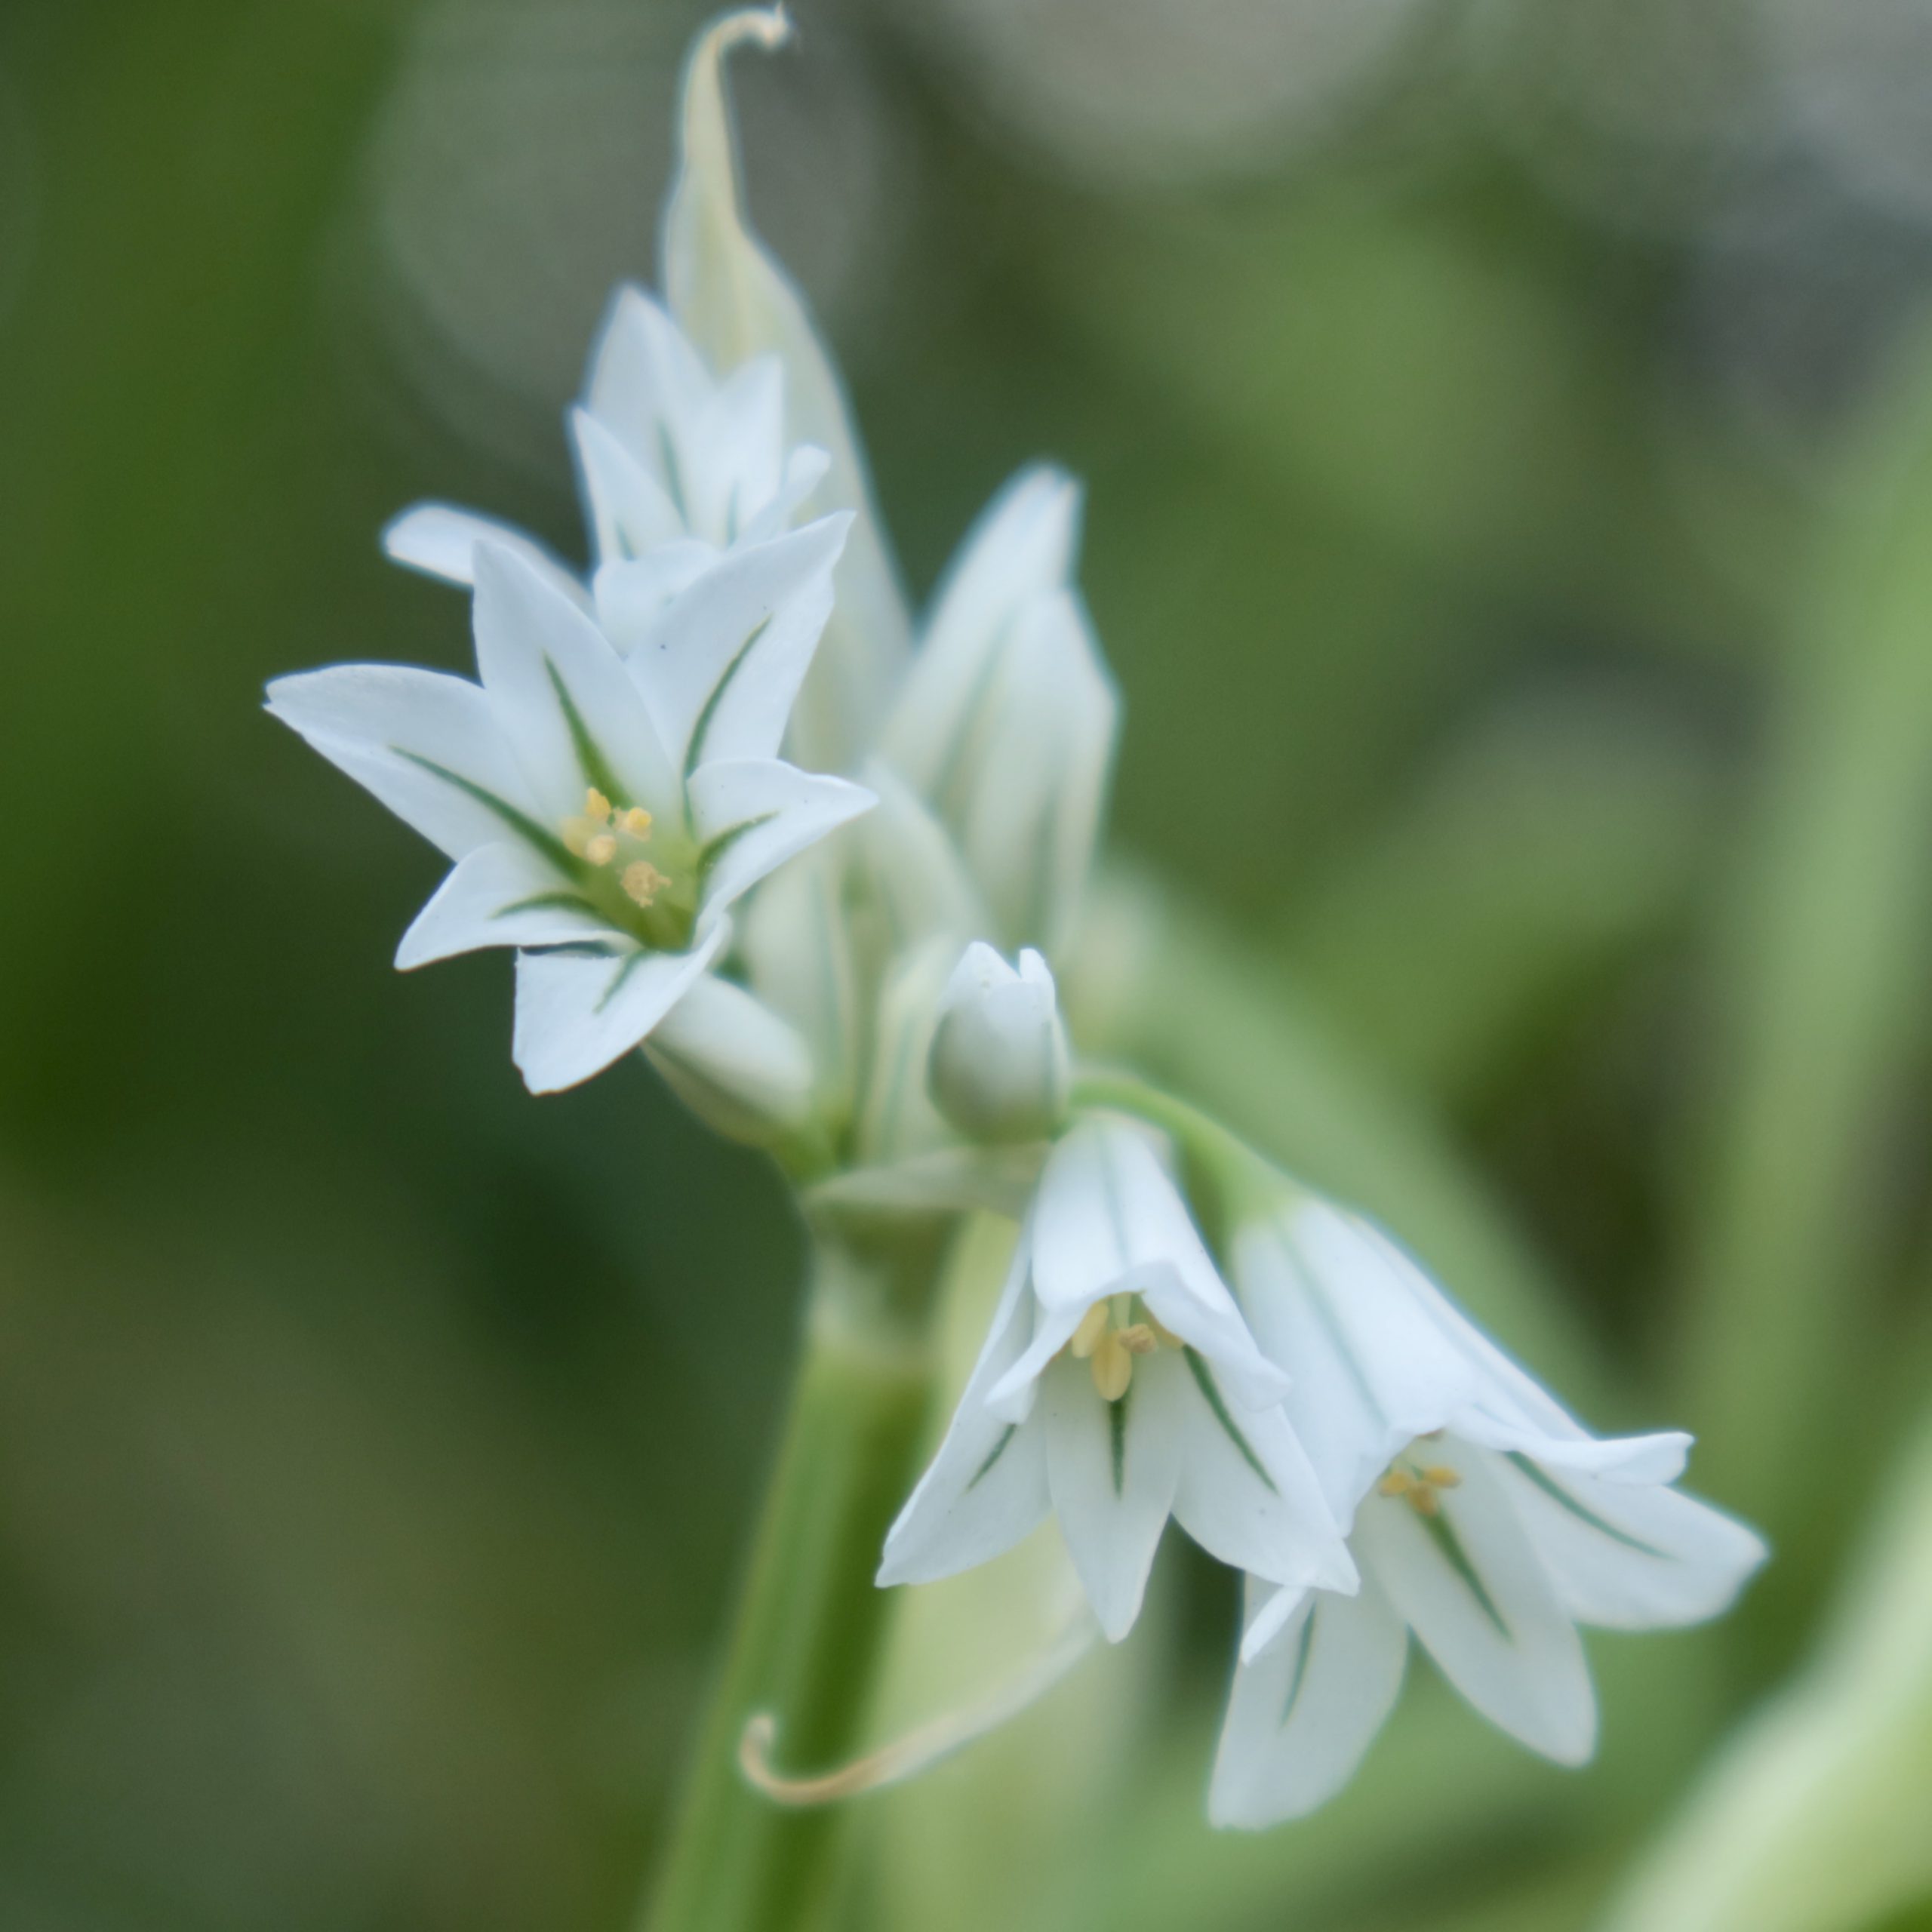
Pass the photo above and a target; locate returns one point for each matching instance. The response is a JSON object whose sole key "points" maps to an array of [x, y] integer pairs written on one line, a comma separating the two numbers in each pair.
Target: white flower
{"points": [[1005, 724], [1119, 1386], [1483, 1517], [603, 814], [998, 1068]]}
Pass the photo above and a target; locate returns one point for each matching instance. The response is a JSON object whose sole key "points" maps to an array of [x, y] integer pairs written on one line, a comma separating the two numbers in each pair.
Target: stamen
{"points": [[1113, 1366], [596, 806], [601, 850], [642, 882], [1139, 1340], [1424, 1501], [1161, 1332], [577, 835], [1440, 1476], [636, 822], [1397, 1482], [1087, 1337]]}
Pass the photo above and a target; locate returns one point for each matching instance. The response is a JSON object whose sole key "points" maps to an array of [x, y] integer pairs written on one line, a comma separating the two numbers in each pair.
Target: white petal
{"points": [[923, 891], [1302, 1715], [1022, 546], [532, 648], [987, 1487], [769, 811], [722, 665], [500, 894], [629, 598], [798, 950], [387, 725], [578, 1011], [1642, 1460], [736, 303], [737, 446], [1111, 1470], [630, 513], [441, 540], [1627, 1558], [1029, 814], [1514, 1410], [1247, 1494], [648, 385], [1371, 1370], [805, 468], [1492, 1622], [742, 1069], [897, 1120]]}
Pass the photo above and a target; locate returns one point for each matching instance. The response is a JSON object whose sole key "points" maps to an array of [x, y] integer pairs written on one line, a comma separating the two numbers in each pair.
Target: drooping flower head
{"points": [[1119, 1386], [1483, 1517]]}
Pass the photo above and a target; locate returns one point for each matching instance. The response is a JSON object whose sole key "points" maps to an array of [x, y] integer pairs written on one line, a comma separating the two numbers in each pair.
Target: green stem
{"points": [[810, 1624], [1241, 1183]]}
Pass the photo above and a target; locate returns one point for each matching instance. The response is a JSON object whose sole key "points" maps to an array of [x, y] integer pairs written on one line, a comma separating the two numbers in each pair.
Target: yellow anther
{"points": [[636, 822], [1113, 1365], [1423, 1499], [1093, 1326], [596, 806], [577, 833], [1439, 1475], [1140, 1340], [1162, 1332], [601, 850], [1397, 1482], [642, 881]]}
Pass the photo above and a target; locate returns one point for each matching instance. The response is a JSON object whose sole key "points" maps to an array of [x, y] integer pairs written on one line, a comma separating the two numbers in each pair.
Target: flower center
{"points": [[1111, 1333], [627, 887], [1419, 1484]]}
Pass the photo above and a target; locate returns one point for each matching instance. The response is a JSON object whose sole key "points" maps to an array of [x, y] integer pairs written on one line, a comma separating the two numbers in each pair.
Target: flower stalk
{"points": [[809, 1635]]}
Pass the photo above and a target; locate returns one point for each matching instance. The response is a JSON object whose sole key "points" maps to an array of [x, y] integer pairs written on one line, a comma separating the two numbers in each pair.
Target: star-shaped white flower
{"points": [[1119, 1386], [603, 812], [1483, 1518]]}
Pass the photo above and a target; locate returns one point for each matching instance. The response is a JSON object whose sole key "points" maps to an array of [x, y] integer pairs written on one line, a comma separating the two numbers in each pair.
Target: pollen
{"points": [[598, 834], [642, 882], [1109, 1339], [1420, 1489]]}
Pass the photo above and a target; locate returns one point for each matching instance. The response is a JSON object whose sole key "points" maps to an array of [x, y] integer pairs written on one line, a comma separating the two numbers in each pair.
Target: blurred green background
{"points": [[1509, 427]]}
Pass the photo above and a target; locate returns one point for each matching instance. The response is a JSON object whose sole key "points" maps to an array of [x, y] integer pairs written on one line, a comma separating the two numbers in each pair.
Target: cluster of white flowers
{"points": [[1299, 1396]]}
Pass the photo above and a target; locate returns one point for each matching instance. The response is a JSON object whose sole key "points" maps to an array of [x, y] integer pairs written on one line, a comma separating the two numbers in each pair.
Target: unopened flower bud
{"points": [[998, 1069]]}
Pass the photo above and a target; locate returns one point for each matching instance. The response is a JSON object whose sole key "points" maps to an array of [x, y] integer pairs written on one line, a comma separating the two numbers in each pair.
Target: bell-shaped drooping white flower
{"points": [[1482, 1516], [603, 813], [999, 1068], [1119, 1386], [1006, 722]]}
